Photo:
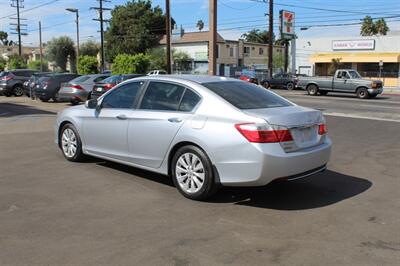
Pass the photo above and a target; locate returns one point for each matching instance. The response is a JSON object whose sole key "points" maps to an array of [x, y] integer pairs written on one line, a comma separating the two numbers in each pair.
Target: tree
{"points": [[4, 39], [35, 65], [89, 48], [157, 57], [88, 65], [60, 50], [335, 65], [368, 27], [200, 25], [3, 63], [279, 61], [128, 64], [181, 60], [134, 27], [255, 35], [16, 62], [381, 27]]}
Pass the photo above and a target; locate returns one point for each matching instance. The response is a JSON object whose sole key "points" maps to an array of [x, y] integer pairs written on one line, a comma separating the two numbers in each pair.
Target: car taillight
{"points": [[8, 77], [263, 133], [322, 129], [78, 87], [108, 86]]}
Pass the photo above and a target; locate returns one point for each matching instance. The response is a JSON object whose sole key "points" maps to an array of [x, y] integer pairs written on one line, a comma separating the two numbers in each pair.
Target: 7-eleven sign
{"points": [[287, 23]]}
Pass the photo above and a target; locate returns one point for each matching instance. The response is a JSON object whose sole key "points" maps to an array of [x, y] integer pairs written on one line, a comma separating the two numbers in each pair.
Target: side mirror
{"points": [[91, 104]]}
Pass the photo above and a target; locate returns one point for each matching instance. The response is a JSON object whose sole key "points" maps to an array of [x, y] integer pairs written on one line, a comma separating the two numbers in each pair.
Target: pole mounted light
{"points": [[76, 11]]}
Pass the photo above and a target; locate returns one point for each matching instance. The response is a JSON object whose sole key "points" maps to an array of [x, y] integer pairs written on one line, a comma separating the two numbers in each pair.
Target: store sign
{"points": [[354, 45], [287, 24]]}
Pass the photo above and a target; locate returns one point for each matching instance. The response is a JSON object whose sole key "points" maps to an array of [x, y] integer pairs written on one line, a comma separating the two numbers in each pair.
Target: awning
{"points": [[362, 57]]}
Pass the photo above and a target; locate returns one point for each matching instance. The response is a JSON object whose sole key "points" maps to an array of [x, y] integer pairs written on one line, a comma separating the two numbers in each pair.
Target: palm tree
{"points": [[200, 24], [381, 27], [368, 27]]}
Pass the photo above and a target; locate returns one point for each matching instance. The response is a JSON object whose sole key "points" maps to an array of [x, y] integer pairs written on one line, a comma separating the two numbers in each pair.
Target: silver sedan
{"points": [[203, 131]]}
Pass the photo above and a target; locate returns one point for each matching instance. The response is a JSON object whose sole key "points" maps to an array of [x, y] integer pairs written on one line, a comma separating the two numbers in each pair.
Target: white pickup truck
{"points": [[344, 80]]}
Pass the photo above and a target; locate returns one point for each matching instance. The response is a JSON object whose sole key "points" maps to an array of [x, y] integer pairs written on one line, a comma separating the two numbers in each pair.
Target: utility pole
{"points": [[212, 39], [76, 11], [101, 19], [271, 35], [40, 46], [18, 5], [168, 33]]}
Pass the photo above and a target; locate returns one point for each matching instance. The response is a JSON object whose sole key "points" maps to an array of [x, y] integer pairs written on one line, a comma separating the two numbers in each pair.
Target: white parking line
{"points": [[361, 117]]}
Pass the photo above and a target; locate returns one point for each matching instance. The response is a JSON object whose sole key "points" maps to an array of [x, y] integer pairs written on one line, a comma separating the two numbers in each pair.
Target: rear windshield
{"points": [[80, 79], [245, 95], [43, 79], [4, 73], [112, 79]]}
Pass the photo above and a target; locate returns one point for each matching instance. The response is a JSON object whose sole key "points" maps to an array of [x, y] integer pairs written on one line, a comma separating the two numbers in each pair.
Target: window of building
{"points": [[246, 50], [231, 52], [260, 51]]}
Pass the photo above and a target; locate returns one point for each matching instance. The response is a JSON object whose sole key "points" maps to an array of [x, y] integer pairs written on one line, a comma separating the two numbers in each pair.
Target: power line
{"points": [[32, 8]]}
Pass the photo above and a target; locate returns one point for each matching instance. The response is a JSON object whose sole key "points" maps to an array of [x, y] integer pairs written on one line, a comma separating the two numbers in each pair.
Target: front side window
{"points": [[244, 95], [122, 97], [162, 96]]}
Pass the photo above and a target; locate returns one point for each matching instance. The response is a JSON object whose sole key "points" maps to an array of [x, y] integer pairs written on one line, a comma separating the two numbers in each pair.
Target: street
{"points": [[55, 212]]}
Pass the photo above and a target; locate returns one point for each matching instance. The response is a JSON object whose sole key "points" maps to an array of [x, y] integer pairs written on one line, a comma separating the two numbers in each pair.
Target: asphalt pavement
{"points": [[54, 212]]}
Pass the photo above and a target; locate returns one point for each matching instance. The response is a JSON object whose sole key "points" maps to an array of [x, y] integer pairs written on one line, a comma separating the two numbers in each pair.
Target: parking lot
{"points": [[54, 212]]}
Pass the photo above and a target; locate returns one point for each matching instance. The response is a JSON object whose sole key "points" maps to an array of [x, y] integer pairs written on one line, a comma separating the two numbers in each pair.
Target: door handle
{"points": [[122, 117], [175, 120]]}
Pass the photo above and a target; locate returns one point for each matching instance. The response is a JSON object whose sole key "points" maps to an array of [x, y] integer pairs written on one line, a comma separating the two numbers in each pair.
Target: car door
{"points": [[105, 130], [163, 109], [341, 81]]}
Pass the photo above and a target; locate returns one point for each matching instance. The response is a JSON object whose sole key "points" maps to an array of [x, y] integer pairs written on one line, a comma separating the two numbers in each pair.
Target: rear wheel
{"points": [[290, 86], [362, 93], [312, 90], [266, 85], [18, 90], [192, 173], [55, 97], [70, 143]]}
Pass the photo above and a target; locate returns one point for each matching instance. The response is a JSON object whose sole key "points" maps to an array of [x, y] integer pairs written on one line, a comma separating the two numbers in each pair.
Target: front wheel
{"points": [[290, 86], [266, 85], [312, 90], [71, 144], [192, 173], [18, 91], [362, 93]]}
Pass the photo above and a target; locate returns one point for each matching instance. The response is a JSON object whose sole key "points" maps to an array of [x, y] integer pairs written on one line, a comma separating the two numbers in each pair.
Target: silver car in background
{"points": [[203, 131], [79, 89]]}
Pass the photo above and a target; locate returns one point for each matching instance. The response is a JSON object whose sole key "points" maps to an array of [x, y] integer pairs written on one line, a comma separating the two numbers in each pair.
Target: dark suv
{"points": [[29, 86], [282, 80], [11, 82], [48, 86]]}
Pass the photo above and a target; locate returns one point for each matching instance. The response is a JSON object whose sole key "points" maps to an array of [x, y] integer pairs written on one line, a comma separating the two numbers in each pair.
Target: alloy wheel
{"points": [[69, 143], [190, 173]]}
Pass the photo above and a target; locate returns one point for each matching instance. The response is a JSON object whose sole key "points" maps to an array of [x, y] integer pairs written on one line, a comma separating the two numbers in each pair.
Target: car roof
{"points": [[200, 79]]}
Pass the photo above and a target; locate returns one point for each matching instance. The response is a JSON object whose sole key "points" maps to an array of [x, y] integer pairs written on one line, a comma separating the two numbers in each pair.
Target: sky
{"points": [[235, 17]]}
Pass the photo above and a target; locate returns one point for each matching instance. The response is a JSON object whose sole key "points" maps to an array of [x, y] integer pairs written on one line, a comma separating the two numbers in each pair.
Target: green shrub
{"points": [[35, 65], [3, 64], [16, 62], [130, 64], [88, 65]]}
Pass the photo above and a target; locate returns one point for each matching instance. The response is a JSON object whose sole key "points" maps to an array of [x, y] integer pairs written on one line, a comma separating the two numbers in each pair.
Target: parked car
{"points": [[29, 86], [11, 83], [282, 80], [203, 131], [249, 79], [101, 87], [344, 80], [49, 86], [157, 72], [80, 88]]}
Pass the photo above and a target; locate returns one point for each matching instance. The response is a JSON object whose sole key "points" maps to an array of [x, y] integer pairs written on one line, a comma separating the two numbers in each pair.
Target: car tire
{"points": [[266, 85], [362, 93], [290, 86], [199, 182], [74, 102], [323, 93], [18, 90], [55, 97], [312, 90], [71, 144]]}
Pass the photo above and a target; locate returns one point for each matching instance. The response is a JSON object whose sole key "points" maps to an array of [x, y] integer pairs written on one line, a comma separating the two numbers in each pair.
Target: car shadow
{"points": [[13, 109], [317, 191]]}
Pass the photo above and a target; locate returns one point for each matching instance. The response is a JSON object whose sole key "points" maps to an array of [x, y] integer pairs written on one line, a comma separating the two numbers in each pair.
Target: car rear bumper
{"points": [[69, 94], [41, 93], [267, 162]]}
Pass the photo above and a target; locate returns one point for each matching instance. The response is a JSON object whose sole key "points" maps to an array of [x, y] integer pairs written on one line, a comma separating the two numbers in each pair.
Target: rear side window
{"points": [[100, 78], [244, 95], [122, 97], [189, 101], [80, 79], [162, 96]]}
